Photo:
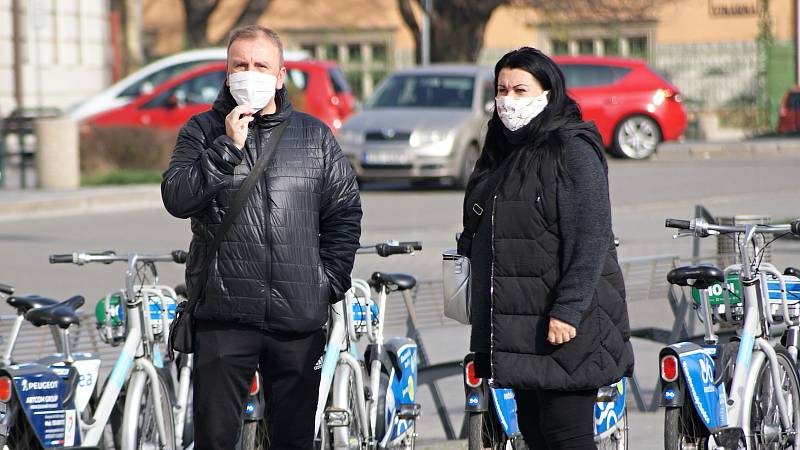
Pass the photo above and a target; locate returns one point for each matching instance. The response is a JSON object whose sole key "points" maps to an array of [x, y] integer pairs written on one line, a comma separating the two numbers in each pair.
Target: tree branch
{"points": [[253, 10]]}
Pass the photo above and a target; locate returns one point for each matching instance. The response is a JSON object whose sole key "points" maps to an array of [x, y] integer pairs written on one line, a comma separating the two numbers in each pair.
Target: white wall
{"points": [[66, 52]]}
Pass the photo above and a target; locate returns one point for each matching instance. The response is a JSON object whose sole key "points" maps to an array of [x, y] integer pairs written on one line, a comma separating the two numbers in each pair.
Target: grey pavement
{"points": [[643, 194]]}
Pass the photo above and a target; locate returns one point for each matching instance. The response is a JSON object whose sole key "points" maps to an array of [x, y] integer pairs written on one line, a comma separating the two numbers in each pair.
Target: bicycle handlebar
{"points": [[389, 248], [6, 289], [109, 256], [702, 228]]}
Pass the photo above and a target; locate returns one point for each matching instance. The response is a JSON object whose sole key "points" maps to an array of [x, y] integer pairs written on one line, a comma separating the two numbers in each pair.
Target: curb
{"points": [[23, 204], [707, 150]]}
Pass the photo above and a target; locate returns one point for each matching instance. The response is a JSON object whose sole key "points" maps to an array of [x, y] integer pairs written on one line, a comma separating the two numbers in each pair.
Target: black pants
{"points": [[226, 358], [557, 420]]}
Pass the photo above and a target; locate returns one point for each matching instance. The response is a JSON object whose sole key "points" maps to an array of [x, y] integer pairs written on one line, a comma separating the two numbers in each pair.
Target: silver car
{"points": [[422, 124]]}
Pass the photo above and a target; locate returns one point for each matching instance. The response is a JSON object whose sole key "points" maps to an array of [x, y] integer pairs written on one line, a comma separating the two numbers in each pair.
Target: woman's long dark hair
{"points": [[539, 140]]}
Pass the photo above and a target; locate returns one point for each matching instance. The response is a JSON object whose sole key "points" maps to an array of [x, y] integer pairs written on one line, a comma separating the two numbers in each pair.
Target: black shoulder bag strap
{"points": [[241, 196], [181, 333], [474, 214]]}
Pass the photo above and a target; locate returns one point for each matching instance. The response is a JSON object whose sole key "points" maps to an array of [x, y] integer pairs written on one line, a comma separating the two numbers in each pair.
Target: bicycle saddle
{"points": [[700, 277], [23, 304], [398, 281], [61, 314], [792, 271]]}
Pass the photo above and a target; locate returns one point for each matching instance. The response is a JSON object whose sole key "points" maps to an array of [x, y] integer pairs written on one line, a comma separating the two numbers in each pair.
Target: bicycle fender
{"points": [[696, 378], [475, 396]]}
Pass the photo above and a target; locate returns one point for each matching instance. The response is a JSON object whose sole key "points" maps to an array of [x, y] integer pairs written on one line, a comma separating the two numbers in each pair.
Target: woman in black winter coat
{"points": [[549, 317]]}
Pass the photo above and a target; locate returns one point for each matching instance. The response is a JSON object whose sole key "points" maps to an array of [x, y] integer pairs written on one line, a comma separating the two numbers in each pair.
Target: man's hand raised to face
{"points": [[236, 124]]}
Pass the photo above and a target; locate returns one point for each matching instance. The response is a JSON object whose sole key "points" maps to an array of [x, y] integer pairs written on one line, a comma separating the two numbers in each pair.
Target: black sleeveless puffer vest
{"points": [[526, 263]]}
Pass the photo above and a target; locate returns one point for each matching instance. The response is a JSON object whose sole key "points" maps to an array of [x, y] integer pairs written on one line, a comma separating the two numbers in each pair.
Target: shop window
{"points": [[586, 46], [637, 47], [559, 47], [354, 53], [611, 47]]}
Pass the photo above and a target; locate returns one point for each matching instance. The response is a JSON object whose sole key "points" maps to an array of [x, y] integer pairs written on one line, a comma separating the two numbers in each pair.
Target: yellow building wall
{"points": [[679, 21], [690, 21], [166, 18]]}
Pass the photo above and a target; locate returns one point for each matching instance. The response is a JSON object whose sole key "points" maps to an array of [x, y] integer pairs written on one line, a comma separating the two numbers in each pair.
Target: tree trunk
{"points": [[197, 13], [253, 10], [457, 28]]}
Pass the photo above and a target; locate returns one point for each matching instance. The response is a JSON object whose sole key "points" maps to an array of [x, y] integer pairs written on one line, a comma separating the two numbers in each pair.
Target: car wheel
{"points": [[636, 137], [471, 155]]}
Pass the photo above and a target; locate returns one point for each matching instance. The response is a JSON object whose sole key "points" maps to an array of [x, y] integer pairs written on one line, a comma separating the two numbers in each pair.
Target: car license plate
{"points": [[389, 158]]}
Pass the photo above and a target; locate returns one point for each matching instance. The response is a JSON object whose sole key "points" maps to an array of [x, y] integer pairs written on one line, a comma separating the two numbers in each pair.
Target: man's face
{"points": [[256, 55]]}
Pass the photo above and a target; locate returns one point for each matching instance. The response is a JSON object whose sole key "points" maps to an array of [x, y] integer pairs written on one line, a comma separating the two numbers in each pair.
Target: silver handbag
{"points": [[456, 272]]}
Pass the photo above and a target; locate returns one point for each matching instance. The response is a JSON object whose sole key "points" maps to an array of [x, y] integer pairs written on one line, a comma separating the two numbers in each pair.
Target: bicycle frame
{"points": [[133, 364]]}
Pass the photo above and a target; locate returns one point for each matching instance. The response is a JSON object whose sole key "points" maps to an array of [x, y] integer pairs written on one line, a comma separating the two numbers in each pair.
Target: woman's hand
{"points": [[560, 332]]}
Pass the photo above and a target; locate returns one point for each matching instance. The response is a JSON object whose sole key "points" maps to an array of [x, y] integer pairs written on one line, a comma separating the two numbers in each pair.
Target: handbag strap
{"points": [[242, 194], [474, 214]]}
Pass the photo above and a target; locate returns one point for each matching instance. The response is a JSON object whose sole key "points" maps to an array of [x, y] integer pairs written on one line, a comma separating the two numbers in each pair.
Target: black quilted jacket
{"points": [[290, 251]]}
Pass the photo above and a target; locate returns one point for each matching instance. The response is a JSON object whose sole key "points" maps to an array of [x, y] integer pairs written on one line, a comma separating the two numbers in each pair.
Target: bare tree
{"points": [[198, 12], [457, 26]]}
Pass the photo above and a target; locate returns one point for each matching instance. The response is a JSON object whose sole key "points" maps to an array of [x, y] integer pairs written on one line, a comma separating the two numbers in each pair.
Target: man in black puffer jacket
{"points": [[286, 257]]}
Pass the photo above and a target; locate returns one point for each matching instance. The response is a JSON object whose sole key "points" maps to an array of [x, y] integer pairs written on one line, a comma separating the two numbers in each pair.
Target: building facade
{"points": [[65, 52]]}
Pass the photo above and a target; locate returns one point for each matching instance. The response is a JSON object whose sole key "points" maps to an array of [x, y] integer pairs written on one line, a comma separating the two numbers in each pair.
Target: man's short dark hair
{"points": [[255, 32]]}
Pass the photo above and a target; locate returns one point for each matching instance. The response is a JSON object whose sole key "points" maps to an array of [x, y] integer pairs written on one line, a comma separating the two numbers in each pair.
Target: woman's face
{"points": [[517, 83]]}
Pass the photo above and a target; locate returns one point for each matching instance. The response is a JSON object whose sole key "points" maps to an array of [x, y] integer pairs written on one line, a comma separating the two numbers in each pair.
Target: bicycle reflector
{"points": [[471, 379], [6, 387], [669, 368], [255, 386]]}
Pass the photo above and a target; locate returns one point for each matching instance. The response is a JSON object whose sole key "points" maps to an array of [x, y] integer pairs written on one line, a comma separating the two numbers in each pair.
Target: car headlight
{"points": [[351, 137], [420, 138]]}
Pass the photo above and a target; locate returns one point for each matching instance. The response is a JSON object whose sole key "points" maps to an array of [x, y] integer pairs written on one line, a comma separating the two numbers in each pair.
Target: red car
{"points": [[315, 87], [634, 107], [789, 120]]}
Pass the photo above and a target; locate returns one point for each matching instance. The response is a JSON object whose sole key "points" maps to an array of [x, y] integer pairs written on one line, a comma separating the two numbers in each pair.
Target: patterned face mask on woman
{"points": [[254, 89], [515, 113]]}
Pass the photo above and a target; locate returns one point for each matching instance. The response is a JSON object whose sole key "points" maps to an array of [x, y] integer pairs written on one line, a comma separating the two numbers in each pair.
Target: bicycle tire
{"points": [[484, 432], [146, 429], [254, 435], [790, 384], [682, 428]]}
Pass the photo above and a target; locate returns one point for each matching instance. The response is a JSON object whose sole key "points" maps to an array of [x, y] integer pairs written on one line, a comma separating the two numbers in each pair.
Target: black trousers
{"points": [[556, 420], [226, 358]]}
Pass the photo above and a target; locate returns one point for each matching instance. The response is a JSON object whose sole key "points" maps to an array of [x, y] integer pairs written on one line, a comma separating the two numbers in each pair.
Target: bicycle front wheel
{"points": [[141, 405], [766, 430]]}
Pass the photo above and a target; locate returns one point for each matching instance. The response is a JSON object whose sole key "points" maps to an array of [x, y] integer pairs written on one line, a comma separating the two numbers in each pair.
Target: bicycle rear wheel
{"points": [[683, 429], [766, 430], [485, 432]]}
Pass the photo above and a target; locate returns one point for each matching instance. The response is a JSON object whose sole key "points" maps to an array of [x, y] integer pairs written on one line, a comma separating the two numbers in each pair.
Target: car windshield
{"points": [[424, 91]]}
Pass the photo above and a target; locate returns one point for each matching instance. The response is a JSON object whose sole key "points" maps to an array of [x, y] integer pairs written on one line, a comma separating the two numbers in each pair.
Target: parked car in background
{"points": [[146, 79], [315, 87], [422, 124], [634, 107], [789, 116]]}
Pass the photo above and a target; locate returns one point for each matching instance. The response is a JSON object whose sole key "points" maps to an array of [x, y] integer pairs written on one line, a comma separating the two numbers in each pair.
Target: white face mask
{"points": [[255, 89], [515, 113]]}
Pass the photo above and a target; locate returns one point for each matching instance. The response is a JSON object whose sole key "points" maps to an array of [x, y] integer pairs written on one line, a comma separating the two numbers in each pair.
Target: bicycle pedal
{"points": [[408, 411], [337, 417]]}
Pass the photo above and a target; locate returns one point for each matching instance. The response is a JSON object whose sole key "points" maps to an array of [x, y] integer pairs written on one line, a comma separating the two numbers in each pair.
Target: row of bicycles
{"points": [[367, 400], [738, 388]]}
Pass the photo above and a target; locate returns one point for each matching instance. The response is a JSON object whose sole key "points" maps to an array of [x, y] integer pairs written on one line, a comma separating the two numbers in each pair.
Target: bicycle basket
{"points": [[110, 313]]}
